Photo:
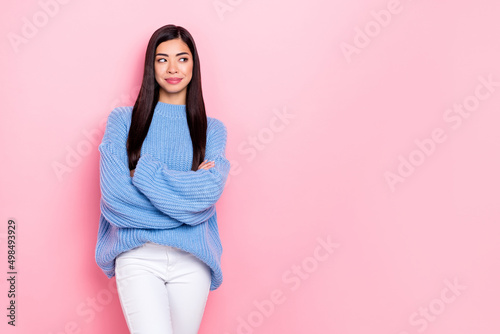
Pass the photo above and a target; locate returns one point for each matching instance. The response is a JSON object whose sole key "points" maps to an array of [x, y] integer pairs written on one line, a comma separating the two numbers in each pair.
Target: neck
{"points": [[170, 110], [177, 98]]}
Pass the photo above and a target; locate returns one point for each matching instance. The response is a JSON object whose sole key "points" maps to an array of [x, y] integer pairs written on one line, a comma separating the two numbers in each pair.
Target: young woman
{"points": [[162, 169]]}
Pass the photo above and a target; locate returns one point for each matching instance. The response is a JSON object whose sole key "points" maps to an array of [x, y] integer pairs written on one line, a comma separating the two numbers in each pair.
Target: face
{"points": [[173, 70]]}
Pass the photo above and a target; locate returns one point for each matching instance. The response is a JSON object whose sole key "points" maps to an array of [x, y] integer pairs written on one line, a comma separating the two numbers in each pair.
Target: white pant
{"points": [[162, 289]]}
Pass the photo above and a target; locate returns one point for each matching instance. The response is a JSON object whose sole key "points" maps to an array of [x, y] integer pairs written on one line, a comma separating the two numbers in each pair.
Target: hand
{"points": [[132, 172], [206, 165]]}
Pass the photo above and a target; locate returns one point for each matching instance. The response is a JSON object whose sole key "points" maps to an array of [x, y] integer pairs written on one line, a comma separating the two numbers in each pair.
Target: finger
{"points": [[206, 166], [205, 163]]}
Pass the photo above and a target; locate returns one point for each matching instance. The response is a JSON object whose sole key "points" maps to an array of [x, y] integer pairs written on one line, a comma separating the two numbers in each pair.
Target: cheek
{"points": [[158, 79], [189, 70], [157, 72], [159, 68]]}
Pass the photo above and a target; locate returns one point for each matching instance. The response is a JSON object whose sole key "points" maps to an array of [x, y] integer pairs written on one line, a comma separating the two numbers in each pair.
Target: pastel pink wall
{"points": [[368, 126]]}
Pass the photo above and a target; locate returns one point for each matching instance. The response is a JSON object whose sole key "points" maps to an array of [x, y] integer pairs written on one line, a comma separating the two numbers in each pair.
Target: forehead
{"points": [[172, 46]]}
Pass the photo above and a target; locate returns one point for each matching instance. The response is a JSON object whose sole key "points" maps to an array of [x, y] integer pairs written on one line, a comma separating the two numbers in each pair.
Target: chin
{"points": [[178, 90]]}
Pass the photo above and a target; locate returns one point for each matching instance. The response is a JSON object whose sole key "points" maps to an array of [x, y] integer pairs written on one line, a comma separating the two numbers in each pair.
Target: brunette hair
{"points": [[144, 106]]}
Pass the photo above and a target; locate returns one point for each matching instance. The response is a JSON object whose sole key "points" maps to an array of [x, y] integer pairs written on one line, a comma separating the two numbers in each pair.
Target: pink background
{"points": [[313, 132]]}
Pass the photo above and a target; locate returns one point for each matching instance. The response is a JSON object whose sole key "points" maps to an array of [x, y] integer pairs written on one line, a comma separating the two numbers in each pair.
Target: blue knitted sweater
{"points": [[165, 201]]}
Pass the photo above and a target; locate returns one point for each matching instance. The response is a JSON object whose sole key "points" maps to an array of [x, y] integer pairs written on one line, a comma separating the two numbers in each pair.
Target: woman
{"points": [[162, 169]]}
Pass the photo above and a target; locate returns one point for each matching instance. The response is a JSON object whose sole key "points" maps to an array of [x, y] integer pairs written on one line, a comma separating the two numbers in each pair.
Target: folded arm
{"points": [[122, 204], [188, 196]]}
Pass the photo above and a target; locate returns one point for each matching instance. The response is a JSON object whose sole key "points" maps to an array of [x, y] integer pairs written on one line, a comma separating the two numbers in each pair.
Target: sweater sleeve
{"points": [[188, 196], [122, 204]]}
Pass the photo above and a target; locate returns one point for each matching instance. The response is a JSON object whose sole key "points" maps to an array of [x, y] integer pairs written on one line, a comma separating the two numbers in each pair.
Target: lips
{"points": [[173, 80]]}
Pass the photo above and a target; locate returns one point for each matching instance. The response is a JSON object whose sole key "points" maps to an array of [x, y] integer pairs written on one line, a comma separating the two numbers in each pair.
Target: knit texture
{"points": [[165, 202]]}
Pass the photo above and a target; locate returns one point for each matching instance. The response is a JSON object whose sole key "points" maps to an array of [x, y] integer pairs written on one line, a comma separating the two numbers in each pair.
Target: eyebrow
{"points": [[166, 55]]}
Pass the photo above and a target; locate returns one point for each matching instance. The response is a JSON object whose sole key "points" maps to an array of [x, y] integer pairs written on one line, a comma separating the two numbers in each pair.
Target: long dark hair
{"points": [[144, 106]]}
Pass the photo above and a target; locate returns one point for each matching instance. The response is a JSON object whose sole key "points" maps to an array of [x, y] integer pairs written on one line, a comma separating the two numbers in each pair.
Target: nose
{"points": [[172, 67]]}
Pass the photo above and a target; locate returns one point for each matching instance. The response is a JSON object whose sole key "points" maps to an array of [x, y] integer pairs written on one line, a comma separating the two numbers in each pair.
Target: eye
{"points": [[185, 60], [160, 60]]}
